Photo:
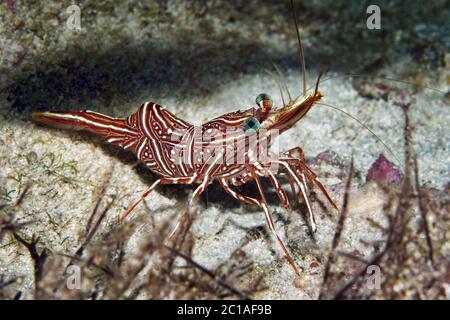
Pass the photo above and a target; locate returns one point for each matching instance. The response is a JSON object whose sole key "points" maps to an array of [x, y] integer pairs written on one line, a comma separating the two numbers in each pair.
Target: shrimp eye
{"points": [[264, 101], [251, 124]]}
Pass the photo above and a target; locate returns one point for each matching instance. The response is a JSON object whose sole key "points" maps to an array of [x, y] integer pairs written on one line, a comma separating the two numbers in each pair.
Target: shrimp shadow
{"points": [[85, 78]]}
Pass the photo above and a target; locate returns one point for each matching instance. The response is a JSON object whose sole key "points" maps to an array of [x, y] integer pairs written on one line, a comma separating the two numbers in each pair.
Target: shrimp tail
{"points": [[114, 130]]}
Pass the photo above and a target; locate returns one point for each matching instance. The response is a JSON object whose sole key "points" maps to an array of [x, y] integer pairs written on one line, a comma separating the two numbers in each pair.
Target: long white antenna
{"points": [[302, 54]]}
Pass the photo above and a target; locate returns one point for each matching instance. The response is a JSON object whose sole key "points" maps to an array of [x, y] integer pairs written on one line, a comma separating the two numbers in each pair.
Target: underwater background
{"points": [[61, 191]]}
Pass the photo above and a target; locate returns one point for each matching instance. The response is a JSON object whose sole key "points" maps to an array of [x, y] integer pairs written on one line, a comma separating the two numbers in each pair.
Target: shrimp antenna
{"points": [[318, 81], [302, 53], [278, 83], [365, 127], [280, 74], [354, 75]]}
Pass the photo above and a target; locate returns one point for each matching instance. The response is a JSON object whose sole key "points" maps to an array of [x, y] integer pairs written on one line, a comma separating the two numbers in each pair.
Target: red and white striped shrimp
{"points": [[183, 154]]}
